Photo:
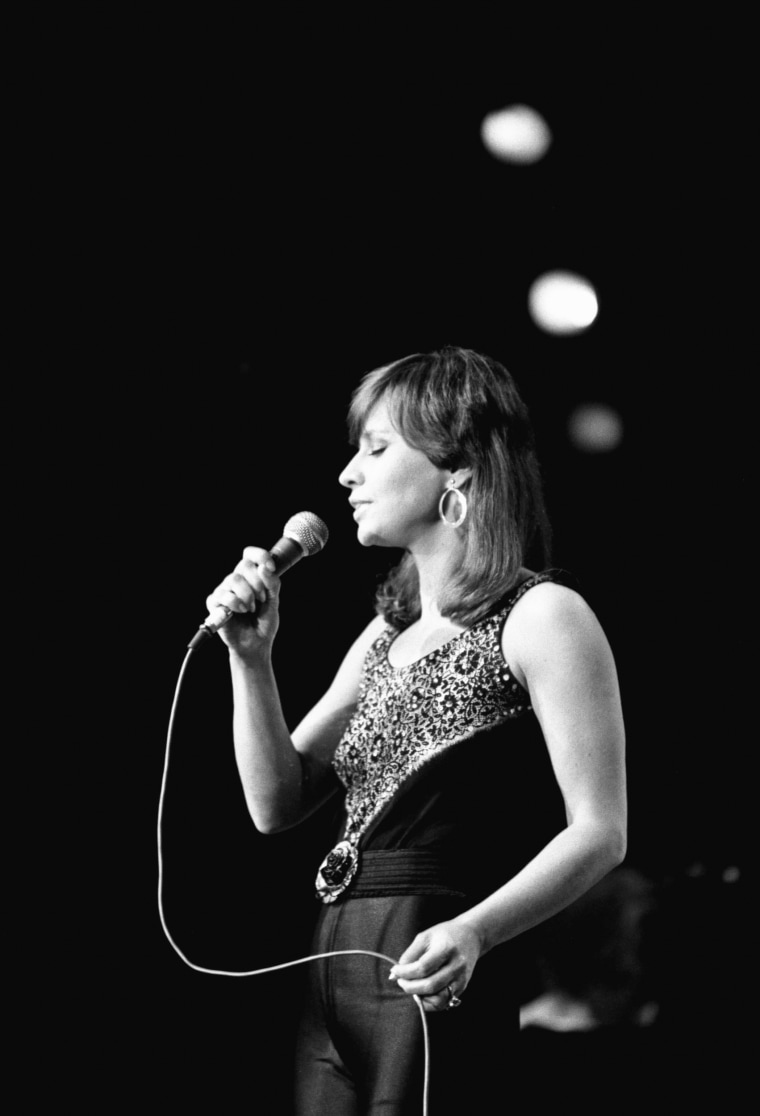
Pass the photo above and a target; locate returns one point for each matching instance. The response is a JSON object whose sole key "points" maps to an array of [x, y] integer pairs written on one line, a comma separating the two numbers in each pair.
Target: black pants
{"points": [[360, 1049]]}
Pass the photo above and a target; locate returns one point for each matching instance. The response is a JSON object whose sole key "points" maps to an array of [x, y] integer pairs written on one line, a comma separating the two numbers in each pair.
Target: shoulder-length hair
{"points": [[461, 408]]}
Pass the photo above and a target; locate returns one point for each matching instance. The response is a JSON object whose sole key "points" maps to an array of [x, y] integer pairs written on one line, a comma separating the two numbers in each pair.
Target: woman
{"points": [[479, 698]]}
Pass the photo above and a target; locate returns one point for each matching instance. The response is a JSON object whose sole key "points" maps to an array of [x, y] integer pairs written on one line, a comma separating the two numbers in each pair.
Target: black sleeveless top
{"points": [[446, 755]]}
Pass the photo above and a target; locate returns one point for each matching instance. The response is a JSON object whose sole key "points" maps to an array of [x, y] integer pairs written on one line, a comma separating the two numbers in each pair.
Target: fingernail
{"points": [[392, 975]]}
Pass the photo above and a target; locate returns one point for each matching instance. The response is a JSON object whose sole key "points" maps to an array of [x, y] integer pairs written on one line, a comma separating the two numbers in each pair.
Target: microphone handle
{"points": [[284, 554]]}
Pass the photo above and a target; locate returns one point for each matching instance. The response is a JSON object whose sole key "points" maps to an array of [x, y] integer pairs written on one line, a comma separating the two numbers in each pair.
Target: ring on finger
{"points": [[454, 1000]]}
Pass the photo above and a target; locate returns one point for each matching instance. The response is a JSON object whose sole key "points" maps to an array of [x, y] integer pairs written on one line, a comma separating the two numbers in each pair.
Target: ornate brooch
{"points": [[336, 871]]}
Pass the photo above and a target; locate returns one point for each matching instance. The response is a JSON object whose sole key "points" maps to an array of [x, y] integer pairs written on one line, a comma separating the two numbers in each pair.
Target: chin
{"points": [[366, 538], [372, 538]]}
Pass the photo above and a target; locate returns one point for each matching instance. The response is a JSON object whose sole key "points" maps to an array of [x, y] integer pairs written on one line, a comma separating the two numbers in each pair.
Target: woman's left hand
{"points": [[438, 964]]}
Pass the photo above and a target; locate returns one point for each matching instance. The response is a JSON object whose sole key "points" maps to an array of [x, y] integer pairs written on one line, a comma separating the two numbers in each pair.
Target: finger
{"points": [[439, 1001], [445, 998], [433, 985], [258, 568], [246, 589], [270, 578], [419, 961], [252, 576], [256, 554], [225, 597], [413, 954]]}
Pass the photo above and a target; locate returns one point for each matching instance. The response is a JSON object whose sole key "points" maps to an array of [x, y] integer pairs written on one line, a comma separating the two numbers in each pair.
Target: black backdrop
{"points": [[230, 223]]}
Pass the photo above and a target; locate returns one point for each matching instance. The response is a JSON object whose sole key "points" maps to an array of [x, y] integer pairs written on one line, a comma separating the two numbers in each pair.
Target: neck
{"points": [[434, 569]]}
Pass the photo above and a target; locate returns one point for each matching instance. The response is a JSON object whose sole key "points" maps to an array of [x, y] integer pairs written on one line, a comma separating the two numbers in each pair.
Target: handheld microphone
{"points": [[303, 535]]}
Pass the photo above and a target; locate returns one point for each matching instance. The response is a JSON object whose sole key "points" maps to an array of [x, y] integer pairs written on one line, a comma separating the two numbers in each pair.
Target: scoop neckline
{"points": [[422, 658], [505, 600]]}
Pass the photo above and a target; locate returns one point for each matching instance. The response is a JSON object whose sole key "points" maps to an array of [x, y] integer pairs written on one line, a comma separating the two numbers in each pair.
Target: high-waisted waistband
{"points": [[403, 872]]}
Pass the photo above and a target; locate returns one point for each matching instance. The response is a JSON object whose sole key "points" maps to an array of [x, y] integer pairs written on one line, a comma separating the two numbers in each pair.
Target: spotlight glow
{"points": [[595, 428], [516, 134], [562, 302]]}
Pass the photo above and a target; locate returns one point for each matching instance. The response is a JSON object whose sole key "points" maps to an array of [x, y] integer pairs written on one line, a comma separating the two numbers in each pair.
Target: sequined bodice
{"points": [[423, 768], [408, 715]]}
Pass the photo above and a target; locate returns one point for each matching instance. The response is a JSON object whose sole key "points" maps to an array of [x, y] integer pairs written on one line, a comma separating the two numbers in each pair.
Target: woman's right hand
{"points": [[251, 592]]}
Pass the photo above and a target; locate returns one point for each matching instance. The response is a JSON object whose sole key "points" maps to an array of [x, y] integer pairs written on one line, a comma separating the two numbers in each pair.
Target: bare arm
{"points": [[285, 775], [568, 667], [555, 644]]}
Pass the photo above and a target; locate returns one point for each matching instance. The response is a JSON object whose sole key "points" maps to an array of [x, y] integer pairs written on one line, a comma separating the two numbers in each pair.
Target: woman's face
{"points": [[395, 489]]}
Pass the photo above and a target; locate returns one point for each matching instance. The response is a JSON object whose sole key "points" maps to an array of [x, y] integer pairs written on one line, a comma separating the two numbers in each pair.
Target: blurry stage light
{"points": [[562, 302], [516, 134], [595, 428]]}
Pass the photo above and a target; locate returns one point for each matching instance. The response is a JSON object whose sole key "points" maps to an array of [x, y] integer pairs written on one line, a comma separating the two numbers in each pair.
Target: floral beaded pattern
{"points": [[407, 715]]}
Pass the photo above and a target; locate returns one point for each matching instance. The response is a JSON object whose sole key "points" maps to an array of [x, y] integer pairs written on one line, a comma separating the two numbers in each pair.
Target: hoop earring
{"points": [[462, 509]]}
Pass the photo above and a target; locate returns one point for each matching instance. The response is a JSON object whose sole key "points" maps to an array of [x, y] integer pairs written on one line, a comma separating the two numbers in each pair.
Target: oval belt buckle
{"points": [[336, 871]]}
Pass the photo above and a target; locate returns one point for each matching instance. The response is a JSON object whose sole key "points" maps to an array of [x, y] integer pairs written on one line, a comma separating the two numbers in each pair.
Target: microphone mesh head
{"points": [[308, 530]]}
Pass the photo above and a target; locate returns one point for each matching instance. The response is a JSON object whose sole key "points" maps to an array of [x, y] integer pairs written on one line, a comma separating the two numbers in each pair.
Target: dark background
{"points": [[226, 222]]}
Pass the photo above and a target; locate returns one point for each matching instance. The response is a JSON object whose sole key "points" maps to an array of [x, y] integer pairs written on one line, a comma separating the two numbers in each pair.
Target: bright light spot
{"points": [[595, 428], [561, 302], [732, 874], [517, 134], [647, 1013]]}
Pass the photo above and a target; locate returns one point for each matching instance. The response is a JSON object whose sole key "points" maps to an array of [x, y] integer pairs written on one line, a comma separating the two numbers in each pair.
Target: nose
{"points": [[351, 475]]}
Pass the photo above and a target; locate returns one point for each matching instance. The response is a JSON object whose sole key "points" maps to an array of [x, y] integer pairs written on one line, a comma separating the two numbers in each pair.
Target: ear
{"points": [[458, 477]]}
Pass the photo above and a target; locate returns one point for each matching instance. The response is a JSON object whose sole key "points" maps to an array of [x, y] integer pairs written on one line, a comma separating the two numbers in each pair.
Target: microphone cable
{"points": [[268, 968]]}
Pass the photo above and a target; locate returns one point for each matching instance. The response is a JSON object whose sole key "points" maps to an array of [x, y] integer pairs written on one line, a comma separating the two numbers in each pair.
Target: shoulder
{"points": [[550, 603], [367, 638], [350, 670], [550, 623], [376, 627]]}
